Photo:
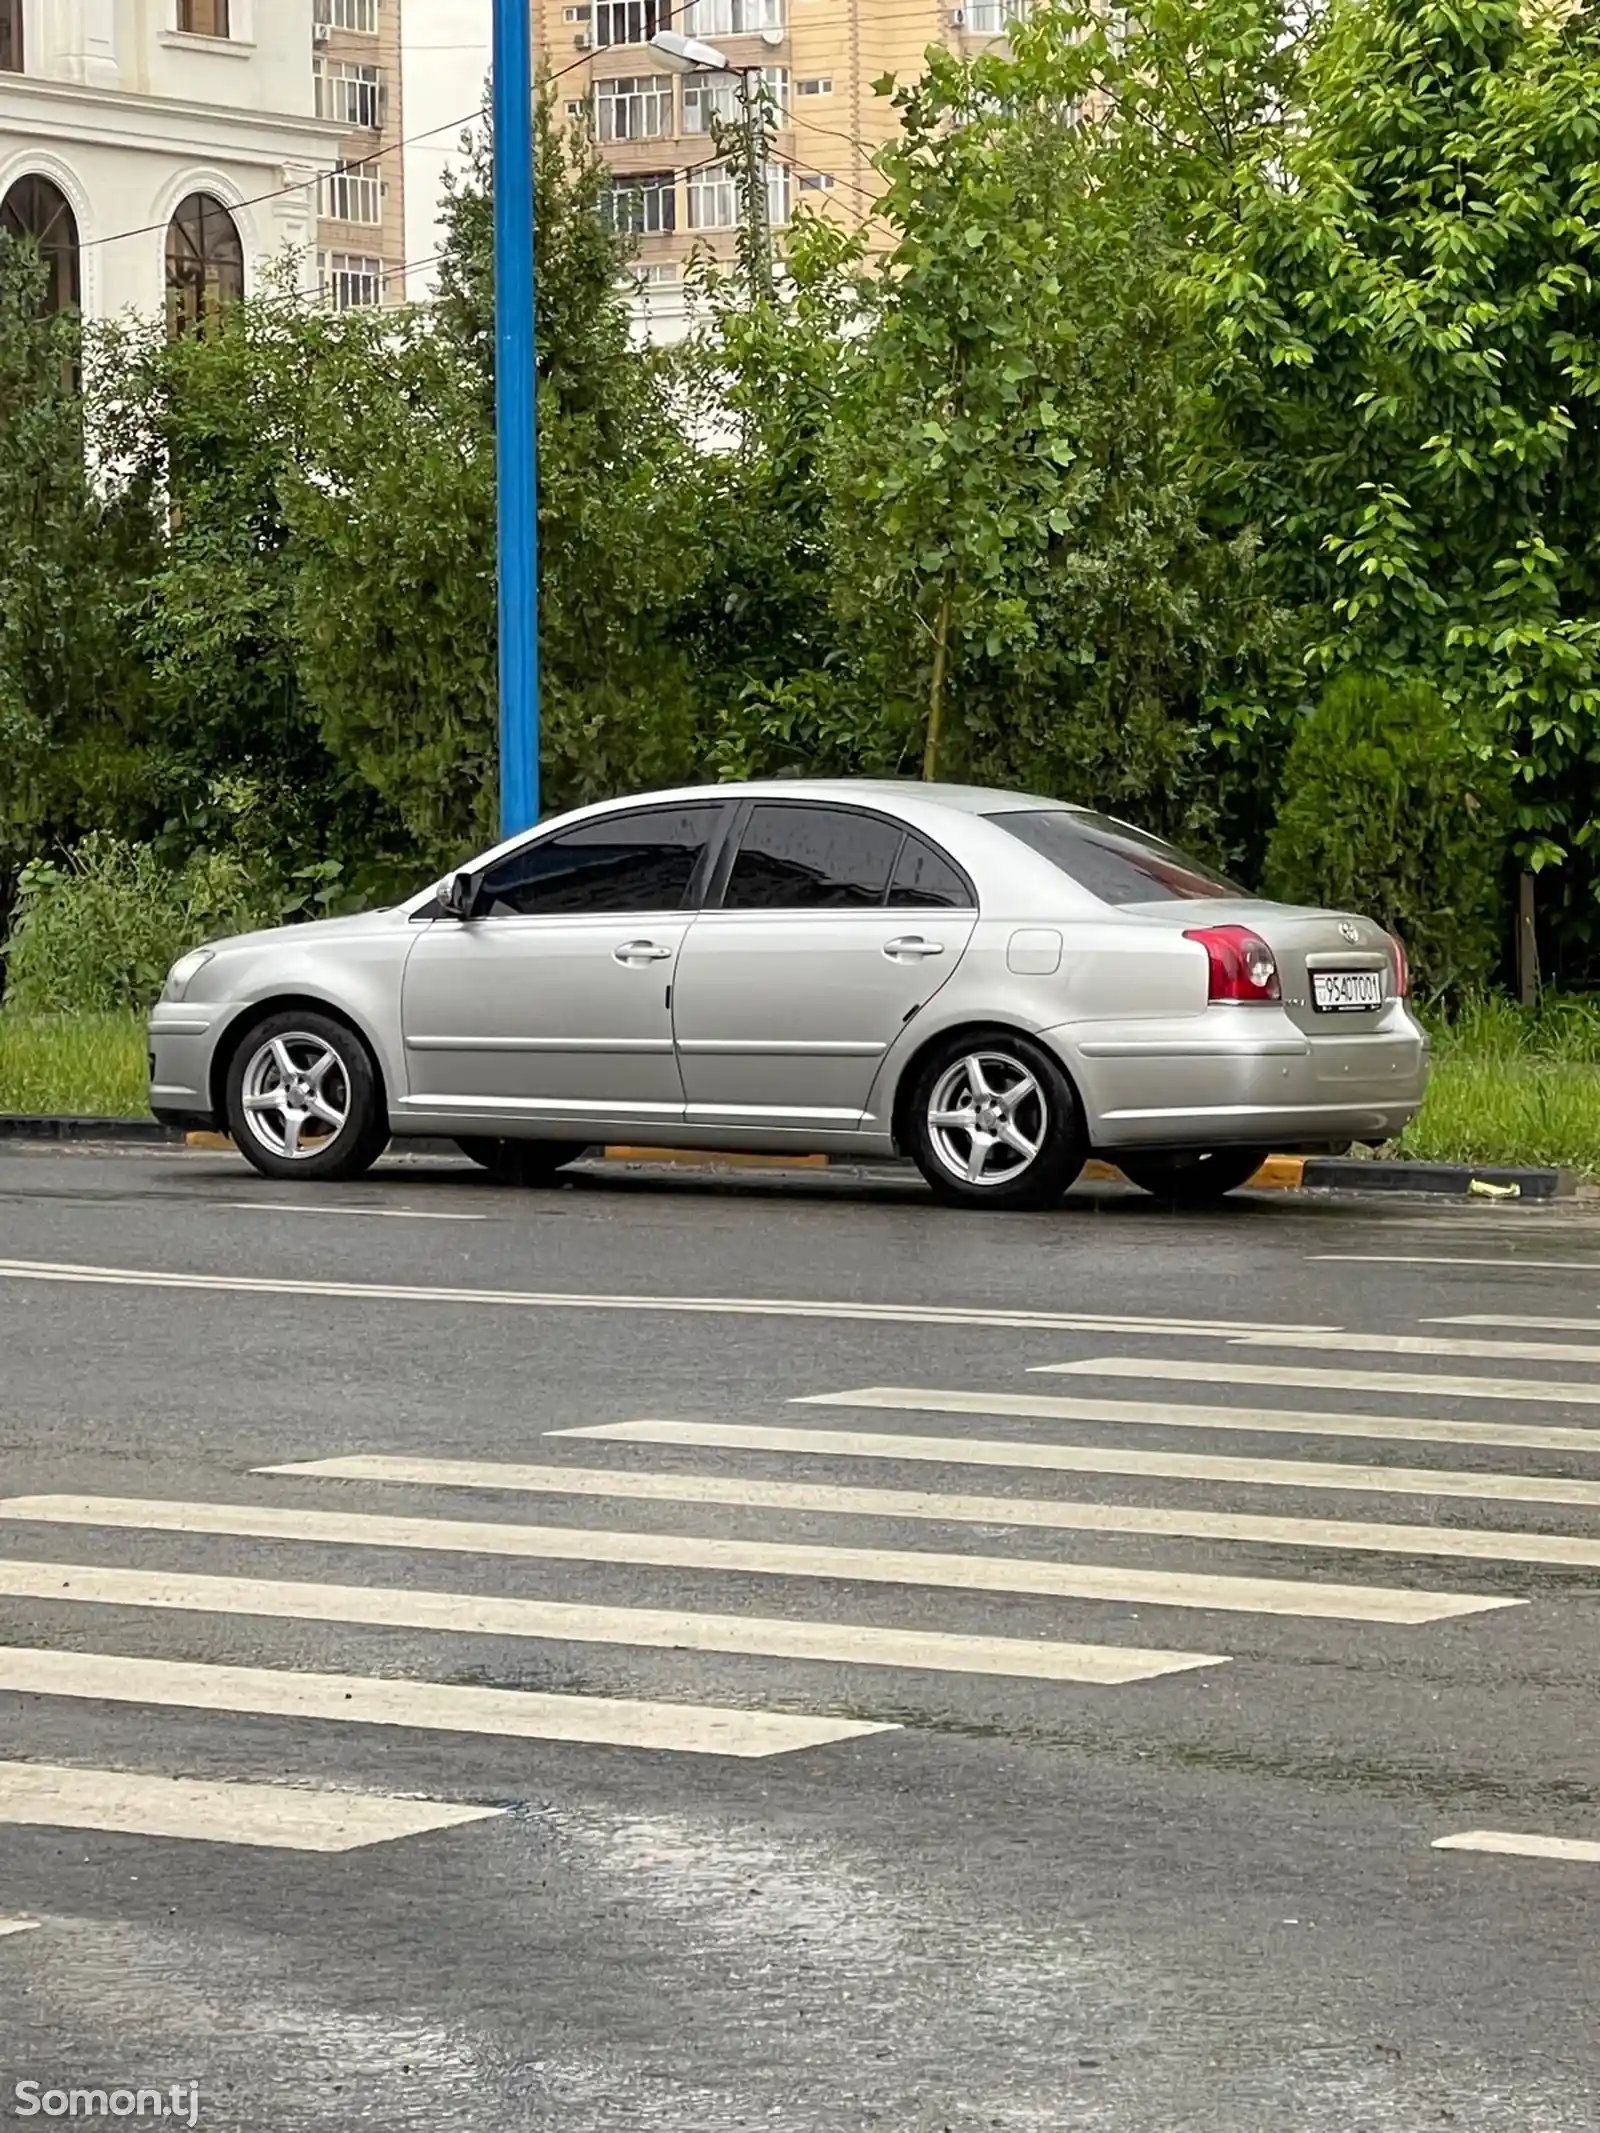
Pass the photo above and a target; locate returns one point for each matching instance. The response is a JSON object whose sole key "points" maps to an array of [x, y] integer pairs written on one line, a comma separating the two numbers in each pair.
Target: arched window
{"points": [[205, 263], [38, 213]]}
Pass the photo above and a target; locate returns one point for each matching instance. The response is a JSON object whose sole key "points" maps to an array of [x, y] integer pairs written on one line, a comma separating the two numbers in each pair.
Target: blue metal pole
{"points": [[516, 436]]}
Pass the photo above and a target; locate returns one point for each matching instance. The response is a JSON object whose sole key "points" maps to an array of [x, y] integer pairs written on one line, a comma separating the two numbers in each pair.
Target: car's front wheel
{"points": [[993, 1122], [512, 1162], [1192, 1177], [303, 1099]]}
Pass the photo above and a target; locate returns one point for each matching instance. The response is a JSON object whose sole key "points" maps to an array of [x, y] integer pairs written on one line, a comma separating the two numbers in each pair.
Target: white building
{"points": [[161, 152]]}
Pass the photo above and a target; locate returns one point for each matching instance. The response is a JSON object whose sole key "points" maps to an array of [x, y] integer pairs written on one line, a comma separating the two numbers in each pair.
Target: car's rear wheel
{"points": [[1192, 1177], [993, 1122], [303, 1099], [513, 1162]]}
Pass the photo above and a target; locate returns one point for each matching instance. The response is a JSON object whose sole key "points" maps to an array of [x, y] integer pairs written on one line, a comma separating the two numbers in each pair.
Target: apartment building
{"points": [[361, 220], [160, 152], [816, 61]]}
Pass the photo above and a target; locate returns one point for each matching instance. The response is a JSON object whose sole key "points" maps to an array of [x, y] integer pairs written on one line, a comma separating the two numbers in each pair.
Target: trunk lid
{"points": [[1307, 945]]}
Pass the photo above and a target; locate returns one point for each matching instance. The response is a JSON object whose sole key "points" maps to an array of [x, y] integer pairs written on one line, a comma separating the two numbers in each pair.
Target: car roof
{"points": [[965, 799]]}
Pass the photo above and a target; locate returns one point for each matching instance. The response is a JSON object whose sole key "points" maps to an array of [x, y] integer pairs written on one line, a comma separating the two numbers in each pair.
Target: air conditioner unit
{"points": [[773, 38], [321, 32], [583, 42], [958, 18]]}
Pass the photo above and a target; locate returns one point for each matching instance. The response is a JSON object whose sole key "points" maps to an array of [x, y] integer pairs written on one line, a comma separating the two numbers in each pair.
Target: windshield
{"points": [[1118, 864]]}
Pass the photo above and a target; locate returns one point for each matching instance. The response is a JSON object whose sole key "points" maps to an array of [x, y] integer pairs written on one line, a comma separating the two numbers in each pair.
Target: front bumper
{"points": [[1257, 1082], [182, 1043]]}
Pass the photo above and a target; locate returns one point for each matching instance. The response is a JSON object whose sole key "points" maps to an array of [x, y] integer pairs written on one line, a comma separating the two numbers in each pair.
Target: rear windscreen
{"points": [[1118, 864]]}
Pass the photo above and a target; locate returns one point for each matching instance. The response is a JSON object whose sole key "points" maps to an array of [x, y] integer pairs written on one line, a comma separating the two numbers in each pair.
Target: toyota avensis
{"points": [[992, 984]]}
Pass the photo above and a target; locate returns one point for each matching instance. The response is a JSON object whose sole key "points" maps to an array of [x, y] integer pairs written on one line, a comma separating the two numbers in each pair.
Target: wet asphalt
{"points": [[1210, 1902]]}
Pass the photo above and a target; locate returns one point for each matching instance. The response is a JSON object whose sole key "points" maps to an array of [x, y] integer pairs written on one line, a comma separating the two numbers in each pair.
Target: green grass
{"points": [[92, 1066], [1507, 1087]]}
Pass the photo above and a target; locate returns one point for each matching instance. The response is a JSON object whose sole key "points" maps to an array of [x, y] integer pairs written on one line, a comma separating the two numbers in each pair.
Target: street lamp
{"points": [[516, 431], [687, 55]]}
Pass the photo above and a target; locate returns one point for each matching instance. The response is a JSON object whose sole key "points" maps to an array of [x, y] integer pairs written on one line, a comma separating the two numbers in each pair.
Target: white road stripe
{"points": [[18, 1925], [670, 1629], [1429, 1344], [873, 1566], [1051, 1513], [1542, 1266], [1521, 1847], [1102, 1459], [1244, 1421], [1376, 1382], [554, 1300], [284, 1817], [1532, 1325], [377, 1214], [428, 1706]]}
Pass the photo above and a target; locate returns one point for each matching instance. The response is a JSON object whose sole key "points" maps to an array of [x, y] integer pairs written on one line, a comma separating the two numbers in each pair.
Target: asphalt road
{"points": [[1000, 1747]]}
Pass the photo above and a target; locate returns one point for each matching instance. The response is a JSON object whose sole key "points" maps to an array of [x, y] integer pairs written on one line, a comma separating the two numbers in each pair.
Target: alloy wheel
{"points": [[987, 1119], [296, 1095]]}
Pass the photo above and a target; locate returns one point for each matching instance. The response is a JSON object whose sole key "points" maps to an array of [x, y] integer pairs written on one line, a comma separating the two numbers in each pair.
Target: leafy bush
{"points": [[1393, 806], [98, 931]]}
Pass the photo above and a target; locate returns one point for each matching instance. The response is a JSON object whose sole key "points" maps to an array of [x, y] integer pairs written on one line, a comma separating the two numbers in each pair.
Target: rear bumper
{"points": [[1228, 1081]]}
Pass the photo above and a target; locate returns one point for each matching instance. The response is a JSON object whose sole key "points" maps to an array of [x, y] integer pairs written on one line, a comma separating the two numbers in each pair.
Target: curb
{"points": [[1279, 1173]]}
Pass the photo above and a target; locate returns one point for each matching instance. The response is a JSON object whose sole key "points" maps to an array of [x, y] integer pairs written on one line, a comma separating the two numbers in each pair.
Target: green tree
{"points": [[1403, 310]]}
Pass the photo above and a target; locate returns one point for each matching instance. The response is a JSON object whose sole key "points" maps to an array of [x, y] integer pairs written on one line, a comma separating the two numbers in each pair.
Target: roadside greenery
{"points": [[1206, 430]]}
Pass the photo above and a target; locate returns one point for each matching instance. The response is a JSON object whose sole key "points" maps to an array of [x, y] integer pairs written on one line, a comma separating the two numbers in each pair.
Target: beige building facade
{"points": [[816, 60], [361, 219]]}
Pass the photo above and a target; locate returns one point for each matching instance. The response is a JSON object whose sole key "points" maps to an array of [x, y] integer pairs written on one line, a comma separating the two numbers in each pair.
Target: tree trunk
{"points": [[936, 685]]}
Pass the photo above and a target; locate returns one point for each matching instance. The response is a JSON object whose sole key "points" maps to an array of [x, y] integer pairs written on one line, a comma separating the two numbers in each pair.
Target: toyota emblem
{"points": [[1349, 933]]}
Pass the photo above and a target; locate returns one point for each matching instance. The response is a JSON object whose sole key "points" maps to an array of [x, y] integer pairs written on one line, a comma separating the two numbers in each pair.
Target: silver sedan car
{"points": [[995, 985]]}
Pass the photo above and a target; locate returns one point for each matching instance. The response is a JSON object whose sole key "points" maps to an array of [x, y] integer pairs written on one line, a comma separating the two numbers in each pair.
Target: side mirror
{"points": [[458, 897]]}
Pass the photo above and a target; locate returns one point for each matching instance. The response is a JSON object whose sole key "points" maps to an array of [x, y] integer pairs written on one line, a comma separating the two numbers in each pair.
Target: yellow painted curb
{"points": [[219, 1141]]}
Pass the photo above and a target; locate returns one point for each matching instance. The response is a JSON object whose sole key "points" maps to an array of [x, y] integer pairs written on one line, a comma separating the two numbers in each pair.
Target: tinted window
{"points": [[925, 877], [1115, 863], [811, 859], [643, 862]]}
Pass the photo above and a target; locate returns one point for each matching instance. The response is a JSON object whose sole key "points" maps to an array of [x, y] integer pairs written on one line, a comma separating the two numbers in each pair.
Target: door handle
{"points": [[641, 952], [911, 948]]}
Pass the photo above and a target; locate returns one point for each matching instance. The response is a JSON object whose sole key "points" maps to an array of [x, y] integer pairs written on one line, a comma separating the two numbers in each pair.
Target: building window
{"points": [[731, 18], [348, 94], [643, 206], [205, 264], [354, 195], [714, 196], [351, 282], [816, 181], [36, 213], [576, 108], [815, 85], [634, 107], [358, 15], [992, 18], [203, 18], [630, 21], [11, 54], [706, 98], [574, 14]]}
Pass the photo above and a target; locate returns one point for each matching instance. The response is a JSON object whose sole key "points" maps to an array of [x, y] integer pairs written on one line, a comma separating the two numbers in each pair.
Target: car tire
{"points": [[993, 1121], [513, 1162], [304, 1100], [1192, 1177]]}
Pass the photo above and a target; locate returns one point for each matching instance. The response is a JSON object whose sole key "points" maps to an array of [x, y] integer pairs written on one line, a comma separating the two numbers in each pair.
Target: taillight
{"points": [[1402, 967], [1243, 967]]}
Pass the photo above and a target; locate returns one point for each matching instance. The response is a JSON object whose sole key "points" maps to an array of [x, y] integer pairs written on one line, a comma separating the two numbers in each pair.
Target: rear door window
{"points": [[925, 880], [802, 858], [1113, 861]]}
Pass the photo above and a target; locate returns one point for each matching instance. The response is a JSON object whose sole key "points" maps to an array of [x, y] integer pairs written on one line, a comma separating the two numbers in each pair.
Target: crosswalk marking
{"points": [[1438, 1259], [1546, 1325], [1244, 1421], [282, 1817], [674, 1630], [429, 1706], [1101, 1459], [1518, 1846], [1429, 1344], [1376, 1382], [560, 1300], [18, 1925], [1056, 1514]]}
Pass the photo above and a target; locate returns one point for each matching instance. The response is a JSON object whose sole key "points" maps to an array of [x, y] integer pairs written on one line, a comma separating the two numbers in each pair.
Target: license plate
{"points": [[1346, 992]]}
